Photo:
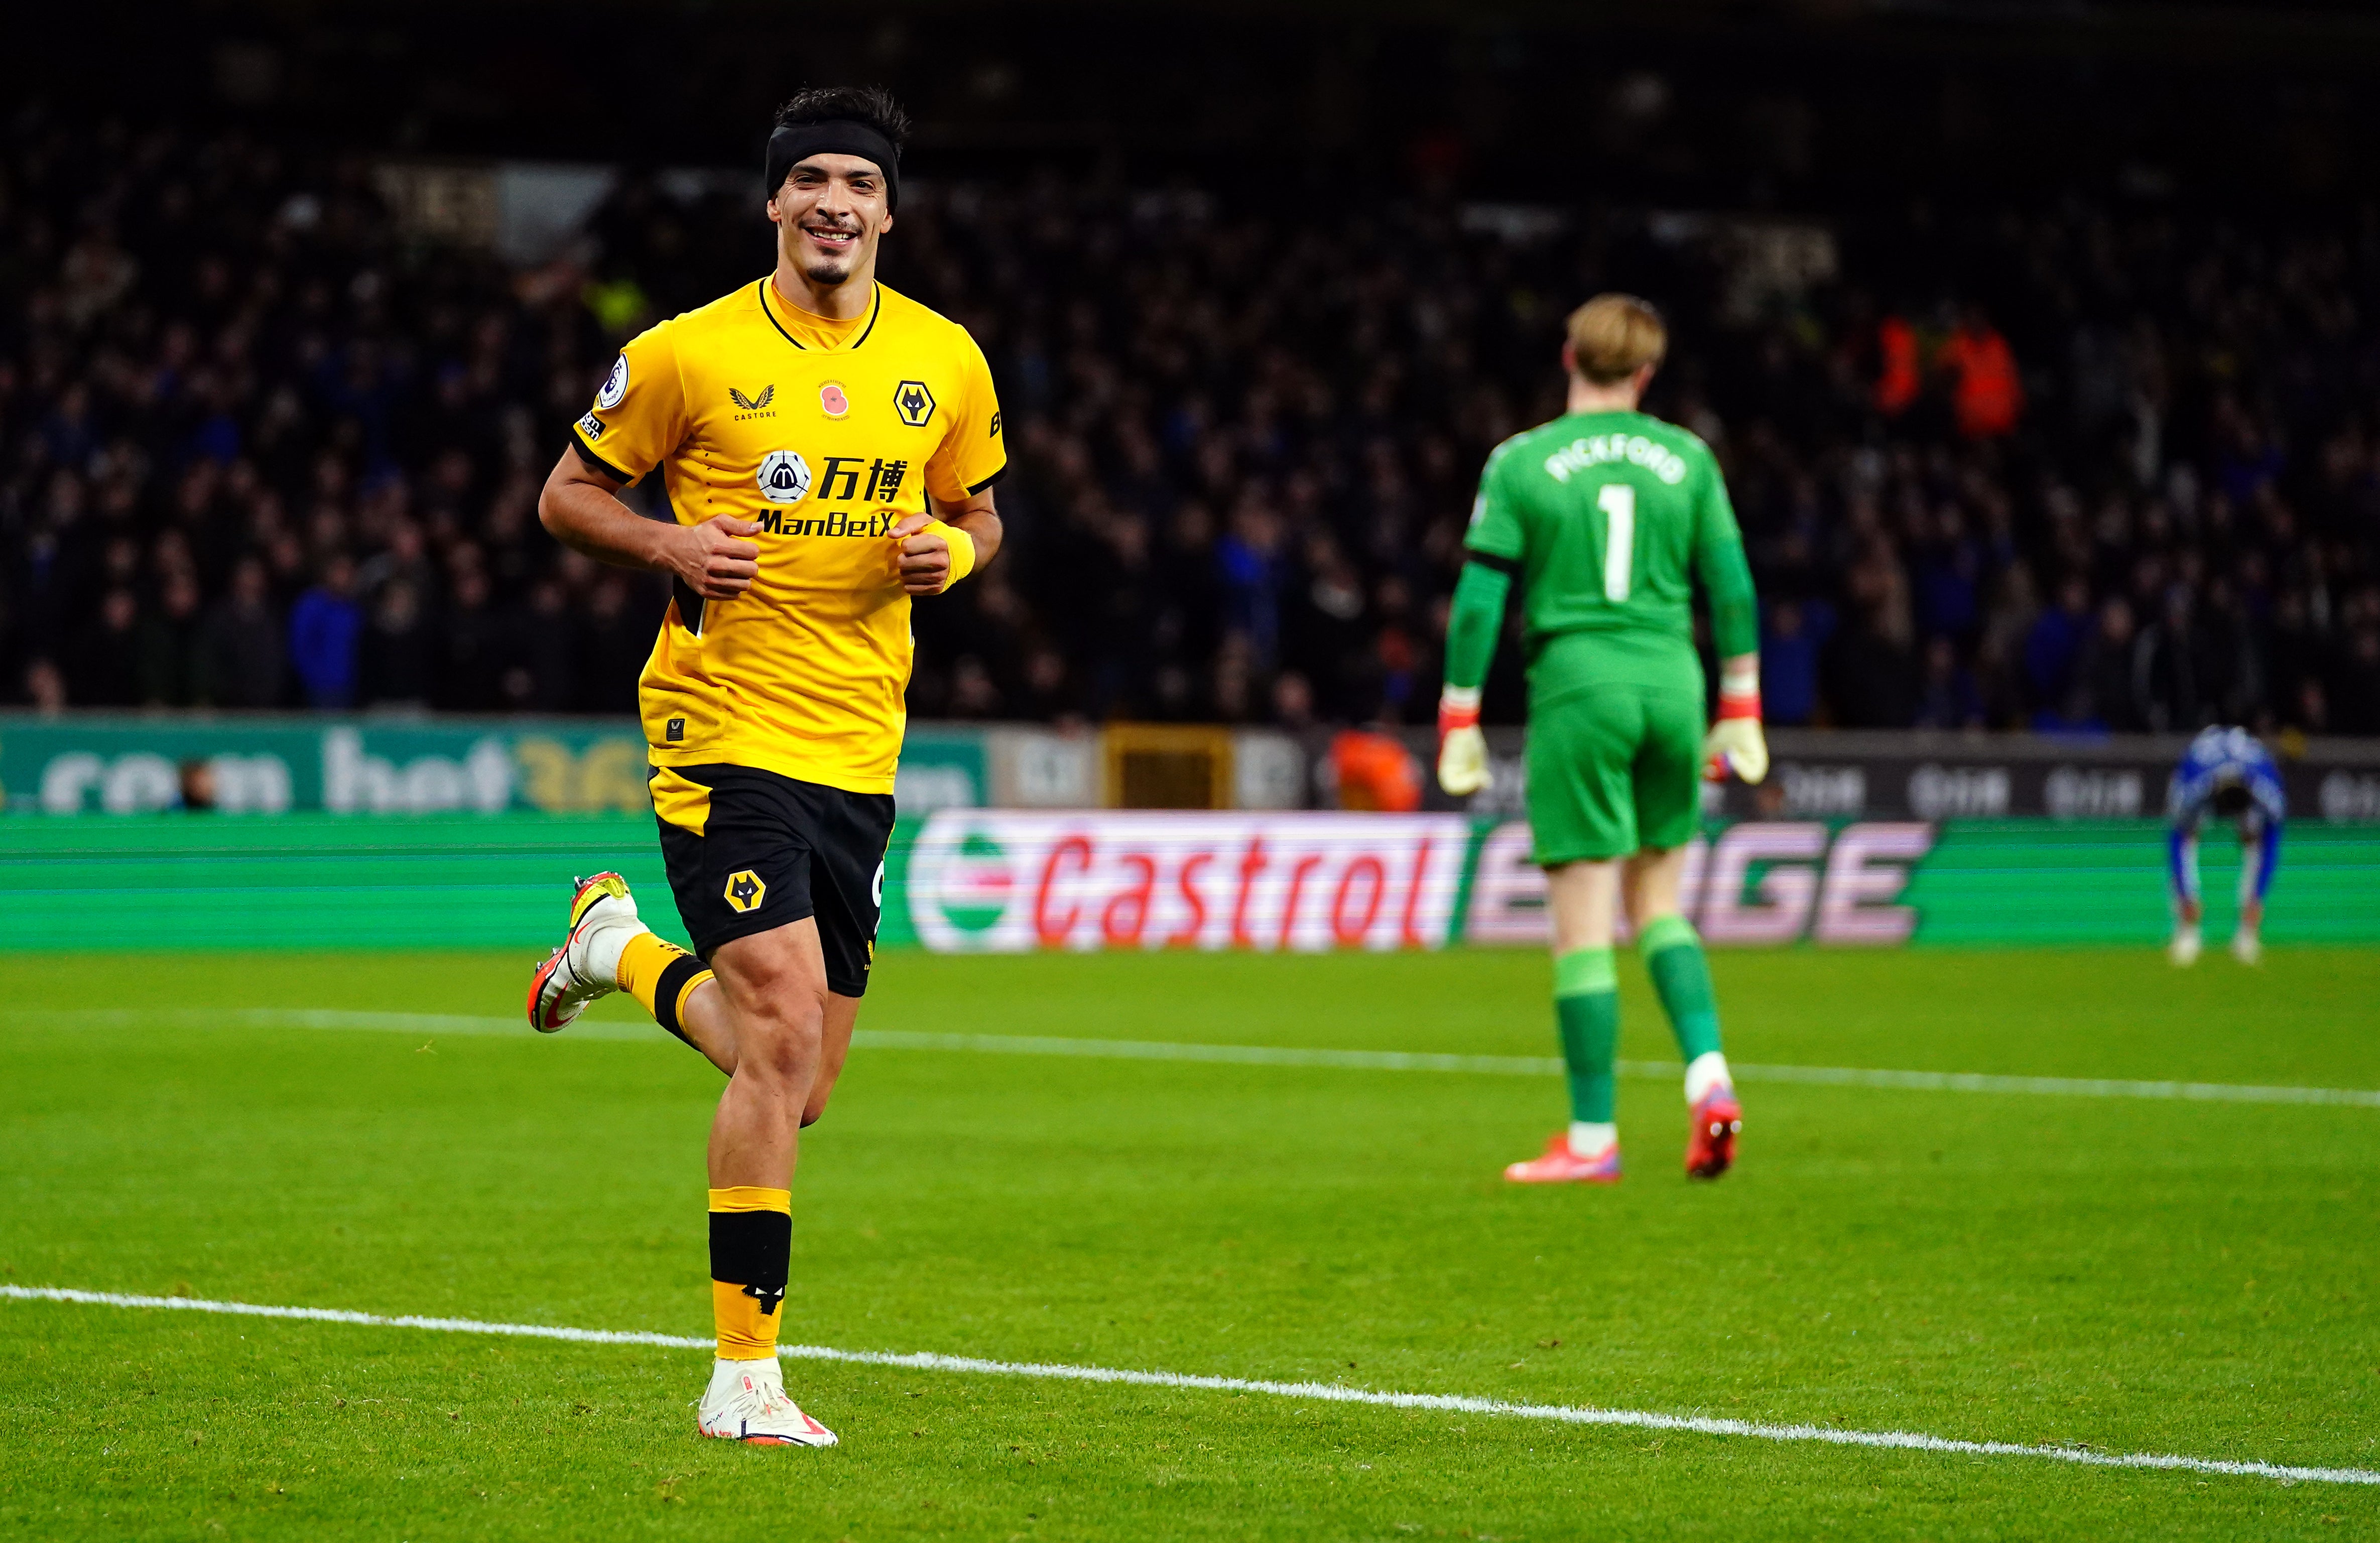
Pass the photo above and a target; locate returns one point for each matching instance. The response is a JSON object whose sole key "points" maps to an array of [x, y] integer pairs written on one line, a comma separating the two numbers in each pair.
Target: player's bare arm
{"points": [[580, 505]]}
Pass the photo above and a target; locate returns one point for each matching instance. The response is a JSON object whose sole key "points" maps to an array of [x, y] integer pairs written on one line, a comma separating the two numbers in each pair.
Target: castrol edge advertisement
{"points": [[995, 882]]}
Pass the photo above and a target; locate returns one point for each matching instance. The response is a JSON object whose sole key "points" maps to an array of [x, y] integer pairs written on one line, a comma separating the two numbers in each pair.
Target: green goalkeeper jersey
{"points": [[1608, 517]]}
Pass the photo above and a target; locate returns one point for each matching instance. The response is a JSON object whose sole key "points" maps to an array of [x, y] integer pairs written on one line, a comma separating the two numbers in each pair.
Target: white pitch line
{"points": [[1232, 1055], [2073, 1088], [322, 1017], [1537, 1066], [1332, 1392], [1255, 1055]]}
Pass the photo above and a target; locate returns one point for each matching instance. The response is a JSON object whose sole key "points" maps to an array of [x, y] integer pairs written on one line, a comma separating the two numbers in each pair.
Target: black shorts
{"points": [[762, 851]]}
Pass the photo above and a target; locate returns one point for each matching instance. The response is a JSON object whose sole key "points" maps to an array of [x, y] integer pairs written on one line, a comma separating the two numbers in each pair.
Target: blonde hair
{"points": [[1613, 336]]}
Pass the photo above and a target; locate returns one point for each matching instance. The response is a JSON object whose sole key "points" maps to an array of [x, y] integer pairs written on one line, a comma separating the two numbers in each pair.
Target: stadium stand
{"points": [[2082, 467]]}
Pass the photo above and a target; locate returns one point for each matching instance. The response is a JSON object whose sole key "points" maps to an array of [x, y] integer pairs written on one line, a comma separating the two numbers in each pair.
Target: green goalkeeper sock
{"points": [[1673, 956], [1586, 1005]]}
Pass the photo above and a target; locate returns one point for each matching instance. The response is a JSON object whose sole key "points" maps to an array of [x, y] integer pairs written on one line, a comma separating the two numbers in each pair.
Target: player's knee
{"points": [[783, 1046]]}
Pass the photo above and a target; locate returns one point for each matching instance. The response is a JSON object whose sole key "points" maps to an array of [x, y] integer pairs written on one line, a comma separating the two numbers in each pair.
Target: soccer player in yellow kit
{"points": [[829, 448]]}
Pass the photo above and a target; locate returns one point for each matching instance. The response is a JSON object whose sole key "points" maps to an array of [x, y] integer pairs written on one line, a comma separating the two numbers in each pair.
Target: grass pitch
{"points": [[2132, 1275]]}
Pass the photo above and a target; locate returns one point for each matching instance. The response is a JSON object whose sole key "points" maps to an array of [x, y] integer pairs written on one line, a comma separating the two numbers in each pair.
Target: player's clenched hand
{"points": [[1462, 763], [921, 557], [711, 558], [1462, 748], [1735, 744]]}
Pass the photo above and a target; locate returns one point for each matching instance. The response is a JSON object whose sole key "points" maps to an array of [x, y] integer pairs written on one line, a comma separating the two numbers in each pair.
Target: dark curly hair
{"points": [[872, 105]]}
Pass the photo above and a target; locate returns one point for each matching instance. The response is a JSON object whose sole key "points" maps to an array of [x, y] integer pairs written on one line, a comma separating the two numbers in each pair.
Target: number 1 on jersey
{"points": [[1617, 502]]}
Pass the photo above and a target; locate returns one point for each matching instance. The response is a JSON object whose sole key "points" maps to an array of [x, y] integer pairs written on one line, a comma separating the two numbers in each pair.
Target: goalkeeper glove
{"points": [[1462, 748], [1735, 743]]}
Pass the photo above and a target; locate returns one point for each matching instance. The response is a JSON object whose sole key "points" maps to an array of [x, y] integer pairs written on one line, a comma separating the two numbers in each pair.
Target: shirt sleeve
{"points": [[1495, 520], [973, 454], [1471, 623], [1714, 511], [639, 413], [1719, 559]]}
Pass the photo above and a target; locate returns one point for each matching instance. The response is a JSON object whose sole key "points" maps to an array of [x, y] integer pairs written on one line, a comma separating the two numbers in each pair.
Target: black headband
{"points": [[797, 142]]}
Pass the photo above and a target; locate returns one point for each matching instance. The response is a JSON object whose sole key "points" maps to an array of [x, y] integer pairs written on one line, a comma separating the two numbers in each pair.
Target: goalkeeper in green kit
{"points": [[1605, 514]]}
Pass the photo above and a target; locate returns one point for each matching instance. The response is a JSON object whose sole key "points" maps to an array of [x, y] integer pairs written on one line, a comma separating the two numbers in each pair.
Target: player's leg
{"points": [[2260, 852], [781, 1015], [1584, 899], [848, 895], [1673, 957], [1667, 790], [1581, 821], [2182, 875], [745, 862], [784, 1020], [770, 991]]}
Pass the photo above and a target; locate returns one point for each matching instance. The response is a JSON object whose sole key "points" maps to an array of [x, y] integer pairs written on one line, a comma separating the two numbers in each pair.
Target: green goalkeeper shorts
{"points": [[1614, 769]]}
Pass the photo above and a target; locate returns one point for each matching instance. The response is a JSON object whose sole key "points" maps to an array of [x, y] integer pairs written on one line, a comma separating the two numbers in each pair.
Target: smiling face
{"points": [[829, 215]]}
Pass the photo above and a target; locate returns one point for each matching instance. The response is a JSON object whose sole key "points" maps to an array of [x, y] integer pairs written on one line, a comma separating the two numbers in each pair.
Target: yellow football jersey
{"points": [[825, 434]]}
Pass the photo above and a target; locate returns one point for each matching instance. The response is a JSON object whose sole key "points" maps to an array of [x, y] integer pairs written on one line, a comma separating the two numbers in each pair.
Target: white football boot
{"points": [[2246, 946], [746, 1402], [2183, 950], [603, 920]]}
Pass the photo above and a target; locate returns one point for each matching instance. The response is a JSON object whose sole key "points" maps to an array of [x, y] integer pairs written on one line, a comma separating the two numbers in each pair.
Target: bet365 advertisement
{"points": [[273, 764]]}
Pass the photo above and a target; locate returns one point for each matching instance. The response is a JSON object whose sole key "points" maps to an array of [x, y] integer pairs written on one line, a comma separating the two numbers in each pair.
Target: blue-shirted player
{"points": [[2226, 772]]}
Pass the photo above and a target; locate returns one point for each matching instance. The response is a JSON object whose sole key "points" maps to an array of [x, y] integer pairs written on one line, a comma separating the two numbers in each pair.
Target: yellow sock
{"points": [[751, 1252], [660, 976]]}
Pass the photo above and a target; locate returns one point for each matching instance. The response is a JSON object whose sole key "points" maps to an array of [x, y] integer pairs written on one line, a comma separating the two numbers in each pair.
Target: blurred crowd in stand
{"points": [[2082, 467]]}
